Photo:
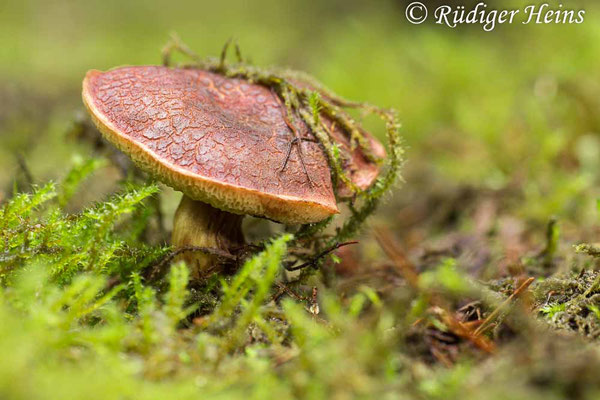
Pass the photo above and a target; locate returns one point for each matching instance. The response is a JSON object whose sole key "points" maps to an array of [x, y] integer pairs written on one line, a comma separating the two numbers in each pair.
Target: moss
{"points": [[78, 315]]}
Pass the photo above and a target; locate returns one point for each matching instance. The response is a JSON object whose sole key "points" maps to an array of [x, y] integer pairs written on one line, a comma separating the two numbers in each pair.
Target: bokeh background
{"points": [[512, 109]]}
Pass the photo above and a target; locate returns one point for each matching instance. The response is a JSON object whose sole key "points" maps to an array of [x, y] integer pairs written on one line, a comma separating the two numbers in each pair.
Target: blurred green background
{"points": [[514, 109]]}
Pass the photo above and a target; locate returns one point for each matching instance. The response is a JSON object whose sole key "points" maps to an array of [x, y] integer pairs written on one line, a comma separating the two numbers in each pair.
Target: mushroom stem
{"points": [[199, 224]]}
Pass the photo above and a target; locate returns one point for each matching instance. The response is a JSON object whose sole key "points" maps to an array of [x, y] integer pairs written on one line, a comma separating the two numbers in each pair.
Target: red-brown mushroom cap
{"points": [[218, 140]]}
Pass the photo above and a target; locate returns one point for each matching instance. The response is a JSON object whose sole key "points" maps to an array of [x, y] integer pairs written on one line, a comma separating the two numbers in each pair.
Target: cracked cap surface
{"points": [[218, 140]]}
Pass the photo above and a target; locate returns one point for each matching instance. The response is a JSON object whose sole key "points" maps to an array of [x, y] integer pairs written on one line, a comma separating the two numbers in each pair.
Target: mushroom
{"points": [[226, 144]]}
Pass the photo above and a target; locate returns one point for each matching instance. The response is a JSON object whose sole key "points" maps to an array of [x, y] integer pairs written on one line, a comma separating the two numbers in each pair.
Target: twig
{"points": [[398, 257], [460, 329], [495, 313], [409, 271], [319, 256]]}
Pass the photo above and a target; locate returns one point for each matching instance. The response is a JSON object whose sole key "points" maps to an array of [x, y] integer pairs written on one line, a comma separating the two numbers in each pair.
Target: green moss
{"points": [[80, 321]]}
